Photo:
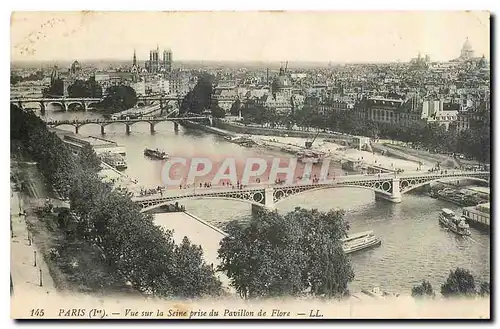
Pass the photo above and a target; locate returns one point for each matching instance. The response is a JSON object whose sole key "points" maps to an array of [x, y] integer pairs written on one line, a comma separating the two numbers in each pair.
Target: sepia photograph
{"points": [[230, 165]]}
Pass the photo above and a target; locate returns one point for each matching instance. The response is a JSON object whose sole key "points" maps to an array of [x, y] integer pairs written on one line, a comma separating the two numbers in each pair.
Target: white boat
{"points": [[360, 241], [454, 223]]}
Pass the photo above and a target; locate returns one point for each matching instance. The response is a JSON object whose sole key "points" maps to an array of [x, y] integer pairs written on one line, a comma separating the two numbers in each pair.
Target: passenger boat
{"points": [[114, 160], [454, 223], [360, 241], [310, 157], [156, 154]]}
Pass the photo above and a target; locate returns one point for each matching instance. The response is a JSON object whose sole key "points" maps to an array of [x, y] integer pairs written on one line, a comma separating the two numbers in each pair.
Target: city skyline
{"points": [[339, 37]]}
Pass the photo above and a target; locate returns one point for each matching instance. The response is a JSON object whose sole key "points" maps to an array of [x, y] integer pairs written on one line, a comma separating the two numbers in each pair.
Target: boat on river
{"points": [[310, 156], [458, 225], [156, 154], [360, 241]]}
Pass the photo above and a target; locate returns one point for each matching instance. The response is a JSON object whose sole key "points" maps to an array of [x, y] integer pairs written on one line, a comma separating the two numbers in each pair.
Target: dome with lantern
{"points": [[467, 51]]}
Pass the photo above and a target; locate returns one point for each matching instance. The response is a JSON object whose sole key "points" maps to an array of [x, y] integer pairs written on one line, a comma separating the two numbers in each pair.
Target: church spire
{"points": [[134, 61]]}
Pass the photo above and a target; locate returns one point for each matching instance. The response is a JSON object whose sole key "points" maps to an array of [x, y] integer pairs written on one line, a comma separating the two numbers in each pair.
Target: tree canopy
{"points": [[117, 244], [56, 88], [87, 88], [14, 78], [460, 282], [118, 98], [287, 255], [200, 98], [235, 107], [474, 142], [424, 289]]}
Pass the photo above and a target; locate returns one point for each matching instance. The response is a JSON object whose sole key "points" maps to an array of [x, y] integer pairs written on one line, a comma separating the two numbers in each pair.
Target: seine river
{"points": [[413, 248]]}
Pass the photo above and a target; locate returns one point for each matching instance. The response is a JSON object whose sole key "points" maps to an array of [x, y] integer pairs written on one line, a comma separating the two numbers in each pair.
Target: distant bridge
{"points": [[90, 103], [153, 121], [64, 102], [386, 186]]}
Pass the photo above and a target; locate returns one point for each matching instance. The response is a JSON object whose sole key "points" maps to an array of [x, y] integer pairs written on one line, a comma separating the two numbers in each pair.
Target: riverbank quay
{"points": [[372, 161], [335, 146], [138, 111], [210, 129], [200, 233], [382, 148], [117, 178], [255, 130], [434, 158]]}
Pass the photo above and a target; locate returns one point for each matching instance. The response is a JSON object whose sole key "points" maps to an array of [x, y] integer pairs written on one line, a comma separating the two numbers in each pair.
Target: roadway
{"points": [[176, 191]]}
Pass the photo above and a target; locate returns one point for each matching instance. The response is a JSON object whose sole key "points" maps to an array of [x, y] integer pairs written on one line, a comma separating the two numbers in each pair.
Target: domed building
{"points": [[466, 53]]}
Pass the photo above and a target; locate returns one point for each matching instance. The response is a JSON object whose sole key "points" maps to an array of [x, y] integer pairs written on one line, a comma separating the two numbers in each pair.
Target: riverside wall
{"points": [[241, 129]]}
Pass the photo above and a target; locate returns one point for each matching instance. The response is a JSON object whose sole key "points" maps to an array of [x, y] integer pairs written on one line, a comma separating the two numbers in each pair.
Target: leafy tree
{"points": [[118, 98], [218, 112], [88, 159], [484, 289], [116, 242], [200, 98], [88, 88], [460, 282], [278, 255], [192, 276], [235, 107], [14, 78], [424, 289], [56, 88]]}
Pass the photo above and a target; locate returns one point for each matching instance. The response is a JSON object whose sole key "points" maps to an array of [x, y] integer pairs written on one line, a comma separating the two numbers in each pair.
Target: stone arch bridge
{"points": [[387, 187], [153, 121], [90, 103], [64, 102]]}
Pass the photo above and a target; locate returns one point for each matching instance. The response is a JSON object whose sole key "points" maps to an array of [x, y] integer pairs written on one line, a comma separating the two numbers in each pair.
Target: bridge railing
{"points": [[333, 180]]}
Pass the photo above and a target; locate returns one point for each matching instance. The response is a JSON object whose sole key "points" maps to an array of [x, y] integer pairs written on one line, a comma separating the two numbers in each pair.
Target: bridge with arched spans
{"points": [[90, 103], [64, 102], [388, 187], [153, 121]]}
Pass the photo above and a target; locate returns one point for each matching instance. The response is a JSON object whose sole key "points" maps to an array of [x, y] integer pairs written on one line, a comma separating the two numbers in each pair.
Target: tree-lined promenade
{"points": [[106, 243]]}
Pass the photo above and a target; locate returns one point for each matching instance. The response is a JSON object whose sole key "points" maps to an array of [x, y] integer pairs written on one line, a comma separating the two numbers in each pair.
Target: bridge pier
{"points": [[176, 126], [395, 196], [42, 107], [152, 127], [268, 202], [127, 129], [76, 129], [102, 130]]}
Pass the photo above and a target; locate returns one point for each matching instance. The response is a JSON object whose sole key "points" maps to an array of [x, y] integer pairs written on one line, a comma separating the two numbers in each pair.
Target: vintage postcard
{"points": [[246, 165]]}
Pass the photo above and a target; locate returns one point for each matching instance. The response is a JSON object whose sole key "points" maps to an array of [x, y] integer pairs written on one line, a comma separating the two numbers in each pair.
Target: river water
{"points": [[413, 248]]}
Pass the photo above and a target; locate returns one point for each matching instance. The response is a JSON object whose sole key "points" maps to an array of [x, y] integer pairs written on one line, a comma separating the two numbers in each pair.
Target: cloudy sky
{"points": [[248, 36]]}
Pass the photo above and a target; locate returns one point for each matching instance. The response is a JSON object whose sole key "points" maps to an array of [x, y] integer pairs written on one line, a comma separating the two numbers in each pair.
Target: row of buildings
{"points": [[155, 76], [421, 91], [404, 94]]}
